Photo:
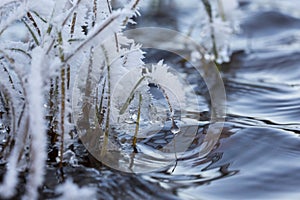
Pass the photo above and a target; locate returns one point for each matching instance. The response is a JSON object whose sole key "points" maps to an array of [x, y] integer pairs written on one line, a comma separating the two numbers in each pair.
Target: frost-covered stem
{"points": [[20, 51], [24, 136], [61, 52], [62, 100], [52, 101], [10, 180], [7, 57], [49, 29], [62, 115], [37, 124], [99, 109], [137, 124], [133, 7], [70, 13], [211, 21], [39, 16], [31, 32], [73, 24], [221, 8], [68, 76], [115, 34], [9, 76], [33, 23], [131, 96], [168, 101], [15, 140], [174, 126], [15, 15], [107, 126], [92, 36], [95, 12]]}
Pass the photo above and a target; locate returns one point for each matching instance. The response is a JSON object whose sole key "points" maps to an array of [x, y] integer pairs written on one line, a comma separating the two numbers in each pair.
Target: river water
{"points": [[258, 153]]}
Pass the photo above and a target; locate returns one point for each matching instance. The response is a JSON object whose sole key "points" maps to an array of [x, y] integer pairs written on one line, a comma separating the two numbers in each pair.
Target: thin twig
{"points": [[62, 100], [133, 7], [73, 24], [21, 51], [95, 13], [221, 8], [70, 13], [100, 111], [33, 23], [107, 124], [92, 36], [62, 115], [115, 34], [31, 32], [131, 96], [137, 124], [37, 14]]}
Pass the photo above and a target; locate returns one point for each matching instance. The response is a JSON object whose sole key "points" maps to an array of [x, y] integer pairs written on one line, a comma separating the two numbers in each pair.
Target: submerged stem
{"points": [[137, 124], [131, 96]]}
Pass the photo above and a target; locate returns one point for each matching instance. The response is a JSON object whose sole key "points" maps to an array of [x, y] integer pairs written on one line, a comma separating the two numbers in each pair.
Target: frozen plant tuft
{"points": [[37, 75], [215, 24]]}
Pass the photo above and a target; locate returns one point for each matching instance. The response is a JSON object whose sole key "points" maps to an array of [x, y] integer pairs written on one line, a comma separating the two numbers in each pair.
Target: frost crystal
{"points": [[70, 190]]}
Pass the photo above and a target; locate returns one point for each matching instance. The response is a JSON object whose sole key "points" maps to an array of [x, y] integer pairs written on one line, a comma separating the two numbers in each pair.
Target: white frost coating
{"points": [[70, 190], [230, 7], [42, 6], [161, 75], [37, 127], [17, 13], [3, 2], [7, 189]]}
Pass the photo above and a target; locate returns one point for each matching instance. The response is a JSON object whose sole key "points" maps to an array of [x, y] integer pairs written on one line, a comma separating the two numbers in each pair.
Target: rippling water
{"points": [[258, 153]]}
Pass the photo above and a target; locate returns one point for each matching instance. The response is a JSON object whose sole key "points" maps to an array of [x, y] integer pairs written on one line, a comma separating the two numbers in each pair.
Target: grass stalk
{"points": [[137, 124], [62, 99], [62, 114], [107, 124], [221, 10], [208, 10], [100, 110], [72, 30], [133, 7], [30, 17], [92, 36], [21, 51], [39, 16], [95, 12], [31, 33], [131, 96], [115, 34]]}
